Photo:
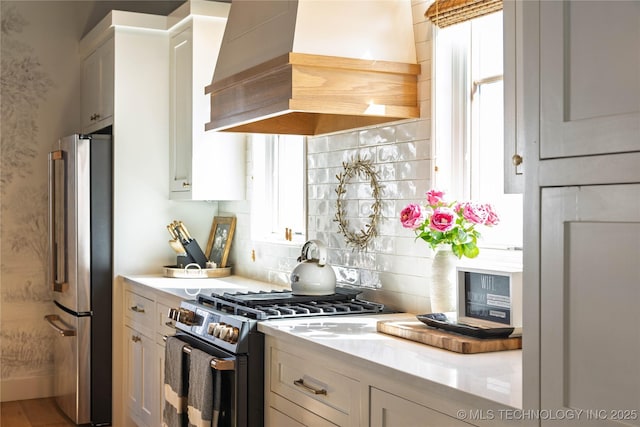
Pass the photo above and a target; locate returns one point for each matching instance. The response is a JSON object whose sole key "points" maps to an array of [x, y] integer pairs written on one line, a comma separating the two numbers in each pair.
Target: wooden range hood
{"points": [[308, 67]]}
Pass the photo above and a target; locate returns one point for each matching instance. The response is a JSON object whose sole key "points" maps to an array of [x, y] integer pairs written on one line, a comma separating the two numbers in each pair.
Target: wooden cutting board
{"points": [[415, 330]]}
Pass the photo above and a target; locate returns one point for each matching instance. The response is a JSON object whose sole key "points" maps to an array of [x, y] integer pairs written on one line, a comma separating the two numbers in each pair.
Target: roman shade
{"points": [[448, 12]]}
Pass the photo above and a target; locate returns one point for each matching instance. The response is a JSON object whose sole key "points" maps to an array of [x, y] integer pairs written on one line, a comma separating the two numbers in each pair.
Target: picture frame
{"points": [[220, 239]]}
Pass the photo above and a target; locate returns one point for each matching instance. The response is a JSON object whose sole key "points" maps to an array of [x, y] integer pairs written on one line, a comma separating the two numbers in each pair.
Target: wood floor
{"points": [[32, 413]]}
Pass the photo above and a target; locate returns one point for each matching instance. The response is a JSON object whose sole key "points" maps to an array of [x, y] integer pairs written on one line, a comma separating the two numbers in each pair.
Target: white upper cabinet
{"points": [[97, 88], [203, 165], [589, 78], [513, 118]]}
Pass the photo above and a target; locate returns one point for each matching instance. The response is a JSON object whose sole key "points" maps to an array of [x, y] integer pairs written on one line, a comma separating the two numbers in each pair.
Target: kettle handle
{"points": [[322, 251]]}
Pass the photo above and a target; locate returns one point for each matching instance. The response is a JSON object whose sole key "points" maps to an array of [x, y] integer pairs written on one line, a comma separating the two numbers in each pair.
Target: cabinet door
{"points": [[90, 86], [513, 98], [389, 410], [160, 375], [590, 288], [97, 88], [180, 141], [589, 77], [141, 377]]}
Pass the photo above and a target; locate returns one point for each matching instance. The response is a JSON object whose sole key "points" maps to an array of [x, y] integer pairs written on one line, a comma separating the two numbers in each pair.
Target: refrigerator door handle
{"points": [[58, 261], [50, 318]]}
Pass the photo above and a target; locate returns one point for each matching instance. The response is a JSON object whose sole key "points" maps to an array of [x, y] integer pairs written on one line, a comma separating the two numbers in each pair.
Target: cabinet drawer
{"points": [[389, 410], [287, 414], [139, 310], [326, 393], [164, 325]]}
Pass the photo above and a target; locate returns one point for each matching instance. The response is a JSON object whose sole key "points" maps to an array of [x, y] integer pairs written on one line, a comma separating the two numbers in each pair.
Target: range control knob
{"points": [[182, 315], [211, 327], [224, 331], [217, 329], [232, 336]]}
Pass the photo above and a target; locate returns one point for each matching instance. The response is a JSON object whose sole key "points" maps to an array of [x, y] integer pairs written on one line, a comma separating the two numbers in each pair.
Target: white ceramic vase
{"points": [[443, 281]]}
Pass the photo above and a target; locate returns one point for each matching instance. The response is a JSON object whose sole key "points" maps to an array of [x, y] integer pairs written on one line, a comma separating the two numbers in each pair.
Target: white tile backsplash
{"points": [[395, 268]]}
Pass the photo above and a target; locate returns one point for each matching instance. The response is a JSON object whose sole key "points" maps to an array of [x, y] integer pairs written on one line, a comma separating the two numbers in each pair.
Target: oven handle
{"points": [[217, 363]]}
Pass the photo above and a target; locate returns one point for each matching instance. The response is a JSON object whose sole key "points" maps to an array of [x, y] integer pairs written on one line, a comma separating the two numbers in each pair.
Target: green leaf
{"points": [[470, 250], [463, 237]]}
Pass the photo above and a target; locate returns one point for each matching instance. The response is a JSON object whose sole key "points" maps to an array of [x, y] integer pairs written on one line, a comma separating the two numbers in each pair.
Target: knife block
{"points": [[183, 260], [195, 253]]}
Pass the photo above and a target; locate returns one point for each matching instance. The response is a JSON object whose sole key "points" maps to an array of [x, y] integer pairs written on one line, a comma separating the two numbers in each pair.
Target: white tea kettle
{"points": [[313, 276]]}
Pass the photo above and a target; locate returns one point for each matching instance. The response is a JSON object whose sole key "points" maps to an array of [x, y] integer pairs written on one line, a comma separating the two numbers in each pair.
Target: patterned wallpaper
{"points": [[25, 85], [30, 99]]}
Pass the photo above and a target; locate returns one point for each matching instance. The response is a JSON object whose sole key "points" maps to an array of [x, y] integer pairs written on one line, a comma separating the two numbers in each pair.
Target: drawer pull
{"points": [[300, 383], [135, 338], [137, 309], [170, 324]]}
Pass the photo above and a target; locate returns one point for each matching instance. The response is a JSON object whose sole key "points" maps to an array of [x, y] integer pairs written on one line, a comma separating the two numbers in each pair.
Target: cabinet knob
{"points": [[516, 160]]}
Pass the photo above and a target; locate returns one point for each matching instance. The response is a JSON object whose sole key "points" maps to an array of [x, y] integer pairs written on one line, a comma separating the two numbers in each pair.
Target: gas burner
{"points": [[280, 304]]}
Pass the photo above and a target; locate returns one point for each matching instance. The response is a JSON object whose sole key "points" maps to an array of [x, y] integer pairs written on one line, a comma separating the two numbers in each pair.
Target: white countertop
{"points": [[495, 376], [189, 288]]}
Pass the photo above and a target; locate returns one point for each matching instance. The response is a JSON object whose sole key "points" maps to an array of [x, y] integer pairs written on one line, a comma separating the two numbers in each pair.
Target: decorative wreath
{"points": [[362, 168]]}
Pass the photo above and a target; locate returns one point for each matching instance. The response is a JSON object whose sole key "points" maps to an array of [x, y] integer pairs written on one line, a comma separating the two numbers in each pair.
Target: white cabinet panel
{"points": [[590, 322], [388, 410], [277, 418], [203, 165], [589, 77], [181, 133], [514, 165], [141, 378], [97, 88]]}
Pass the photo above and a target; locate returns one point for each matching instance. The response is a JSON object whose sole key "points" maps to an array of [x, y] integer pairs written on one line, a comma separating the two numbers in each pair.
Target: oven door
{"points": [[230, 383]]}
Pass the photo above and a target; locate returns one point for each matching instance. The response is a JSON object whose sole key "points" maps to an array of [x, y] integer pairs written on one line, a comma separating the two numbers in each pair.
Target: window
{"points": [[278, 199], [469, 117]]}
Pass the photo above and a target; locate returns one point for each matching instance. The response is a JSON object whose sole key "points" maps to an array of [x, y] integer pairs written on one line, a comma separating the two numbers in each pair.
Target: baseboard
{"points": [[26, 388]]}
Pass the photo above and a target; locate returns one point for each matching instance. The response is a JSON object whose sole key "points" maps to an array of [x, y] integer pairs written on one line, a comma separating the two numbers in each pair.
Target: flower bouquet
{"points": [[449, 223]]}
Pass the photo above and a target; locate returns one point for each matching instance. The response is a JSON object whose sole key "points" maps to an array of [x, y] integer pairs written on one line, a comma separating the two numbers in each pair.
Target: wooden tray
{"points": [[415, 330], [195, 273]]}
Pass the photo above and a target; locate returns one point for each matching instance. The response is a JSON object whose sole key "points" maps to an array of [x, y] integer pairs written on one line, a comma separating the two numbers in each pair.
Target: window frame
{"points": [[457, 85], [267, 158]]}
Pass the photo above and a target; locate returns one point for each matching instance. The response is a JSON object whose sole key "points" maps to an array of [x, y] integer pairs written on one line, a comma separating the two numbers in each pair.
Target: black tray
{"points": [[440, 321]]}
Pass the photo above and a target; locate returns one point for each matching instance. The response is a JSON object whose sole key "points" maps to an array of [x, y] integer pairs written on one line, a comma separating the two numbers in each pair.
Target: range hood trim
{"points": [[306, 94]]}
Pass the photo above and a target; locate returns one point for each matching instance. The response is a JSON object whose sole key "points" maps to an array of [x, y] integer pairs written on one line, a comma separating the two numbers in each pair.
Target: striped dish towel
{"points": [[174, 413], [200, 396]]}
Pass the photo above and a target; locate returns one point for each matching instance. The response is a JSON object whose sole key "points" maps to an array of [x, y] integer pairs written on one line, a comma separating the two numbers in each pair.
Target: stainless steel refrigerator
{"points": [[80, 274]]}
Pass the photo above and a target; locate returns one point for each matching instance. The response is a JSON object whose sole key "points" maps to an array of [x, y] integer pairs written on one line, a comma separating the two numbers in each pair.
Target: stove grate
{"points": [[282, 304]]}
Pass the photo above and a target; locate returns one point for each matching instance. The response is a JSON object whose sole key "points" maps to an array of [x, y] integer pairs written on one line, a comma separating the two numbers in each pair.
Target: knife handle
{"points": [[173, 234], [183, 228]]}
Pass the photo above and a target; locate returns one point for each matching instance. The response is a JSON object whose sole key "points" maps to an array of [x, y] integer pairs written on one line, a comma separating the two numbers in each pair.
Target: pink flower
{"points": [[412, 216], [443, 219], [435, 197], [475, 212], [492, 216]]}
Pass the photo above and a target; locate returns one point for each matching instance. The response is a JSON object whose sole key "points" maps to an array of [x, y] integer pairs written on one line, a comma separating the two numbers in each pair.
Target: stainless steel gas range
{"points": [[225, 326]]}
